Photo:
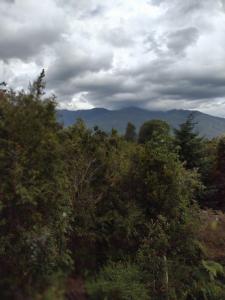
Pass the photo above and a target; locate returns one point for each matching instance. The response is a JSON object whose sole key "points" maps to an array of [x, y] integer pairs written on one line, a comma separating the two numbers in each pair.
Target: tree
{"points": [[158, 183], [91, 202], [154, 129], [37, 88], [130, 134], [190, 145], [217, 196], [34, 206]]}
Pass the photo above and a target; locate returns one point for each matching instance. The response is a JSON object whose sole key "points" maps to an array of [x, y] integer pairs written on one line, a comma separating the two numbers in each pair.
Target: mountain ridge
{"points": [[207, 125]]}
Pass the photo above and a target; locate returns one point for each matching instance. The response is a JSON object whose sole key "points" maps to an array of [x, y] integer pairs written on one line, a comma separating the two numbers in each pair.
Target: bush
{"points": [[118, 281]]}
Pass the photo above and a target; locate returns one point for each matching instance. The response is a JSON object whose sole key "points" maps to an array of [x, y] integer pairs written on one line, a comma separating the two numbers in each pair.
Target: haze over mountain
{"points": [[207, 125]]}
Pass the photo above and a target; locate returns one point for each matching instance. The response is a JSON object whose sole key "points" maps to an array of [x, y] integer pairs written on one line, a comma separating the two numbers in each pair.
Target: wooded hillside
{"points": [[134, 216]]}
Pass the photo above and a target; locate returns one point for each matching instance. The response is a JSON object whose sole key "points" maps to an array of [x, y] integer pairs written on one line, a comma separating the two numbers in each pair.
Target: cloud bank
{"points": [[155, 54]]}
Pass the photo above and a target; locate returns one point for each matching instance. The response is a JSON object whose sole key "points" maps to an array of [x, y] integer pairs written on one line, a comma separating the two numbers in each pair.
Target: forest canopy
{"points": [[139, 216]]}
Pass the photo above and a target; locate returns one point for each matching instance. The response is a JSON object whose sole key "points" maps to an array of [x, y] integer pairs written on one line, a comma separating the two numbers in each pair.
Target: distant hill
{"points": [[208, 126]]}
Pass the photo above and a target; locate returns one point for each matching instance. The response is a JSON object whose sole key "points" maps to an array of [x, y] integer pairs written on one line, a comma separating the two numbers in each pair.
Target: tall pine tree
{"points": [[130, 134], [189, 143]]}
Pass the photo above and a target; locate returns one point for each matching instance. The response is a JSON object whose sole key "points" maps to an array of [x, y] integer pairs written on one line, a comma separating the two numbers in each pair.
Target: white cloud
{"points": [[155, 54]]}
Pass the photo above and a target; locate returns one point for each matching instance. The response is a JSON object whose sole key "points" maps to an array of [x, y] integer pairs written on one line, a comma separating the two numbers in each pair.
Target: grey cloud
{"points": [[24, 43], [71, 65], [27, 27], [82, 9], [9, 1], [151, 59], [108, 85], [185, 90], [96, 11], [99, 87], [117, 37], [187, 7], [178, 13], [206, 81], [151, 43], [179, 40], [149, 86], [223, 3]]}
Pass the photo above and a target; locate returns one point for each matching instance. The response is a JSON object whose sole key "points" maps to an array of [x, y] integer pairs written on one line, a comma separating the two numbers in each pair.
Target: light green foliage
{"points": [[209, 282], [118, 281]]}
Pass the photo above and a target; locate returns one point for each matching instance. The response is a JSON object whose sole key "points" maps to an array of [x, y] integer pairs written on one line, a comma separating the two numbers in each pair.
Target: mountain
{"points": [[207, 125]]}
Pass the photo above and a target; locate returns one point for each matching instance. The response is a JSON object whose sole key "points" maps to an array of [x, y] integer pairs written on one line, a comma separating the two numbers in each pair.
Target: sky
{"points": [[154, 54]]}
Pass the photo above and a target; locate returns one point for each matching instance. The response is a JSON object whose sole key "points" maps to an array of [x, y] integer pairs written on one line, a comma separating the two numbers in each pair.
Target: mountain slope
{"points": [[208, 126]]}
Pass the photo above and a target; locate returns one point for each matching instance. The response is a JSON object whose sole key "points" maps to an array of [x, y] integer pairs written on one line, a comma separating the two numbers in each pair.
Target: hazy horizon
{"points": [[136, 107]]}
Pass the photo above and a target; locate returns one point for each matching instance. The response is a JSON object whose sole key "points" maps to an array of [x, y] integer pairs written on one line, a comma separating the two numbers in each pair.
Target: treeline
{"points": [[128, 214]]}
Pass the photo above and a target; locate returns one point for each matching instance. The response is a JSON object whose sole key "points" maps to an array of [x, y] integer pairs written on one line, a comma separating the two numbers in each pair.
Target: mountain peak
{"points": [[207, 125]]}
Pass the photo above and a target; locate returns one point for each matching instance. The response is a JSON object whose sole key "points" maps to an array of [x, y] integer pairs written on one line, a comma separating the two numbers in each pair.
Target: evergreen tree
{"points": [[37, 88], [190, 146], [130, 134]]}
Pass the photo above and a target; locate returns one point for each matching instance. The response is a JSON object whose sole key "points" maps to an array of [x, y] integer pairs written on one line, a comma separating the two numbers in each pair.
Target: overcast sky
{"points": [[156, 54]]}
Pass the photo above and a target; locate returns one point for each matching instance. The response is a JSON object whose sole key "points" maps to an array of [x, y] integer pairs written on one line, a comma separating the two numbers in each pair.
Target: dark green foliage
{"points": [[121, 214], [34, 209], [216, 185], [151, 130], [158, 183], [38, 86], [158, 180], [130, 134], [189, 143], [85, 161]]}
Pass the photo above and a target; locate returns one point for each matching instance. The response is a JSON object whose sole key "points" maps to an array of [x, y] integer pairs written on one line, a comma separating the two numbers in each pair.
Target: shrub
{"points": [[118, 281]]}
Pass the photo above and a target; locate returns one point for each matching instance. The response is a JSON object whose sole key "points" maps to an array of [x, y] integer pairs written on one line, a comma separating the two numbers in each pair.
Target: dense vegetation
{"points": [[136, 217]]}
